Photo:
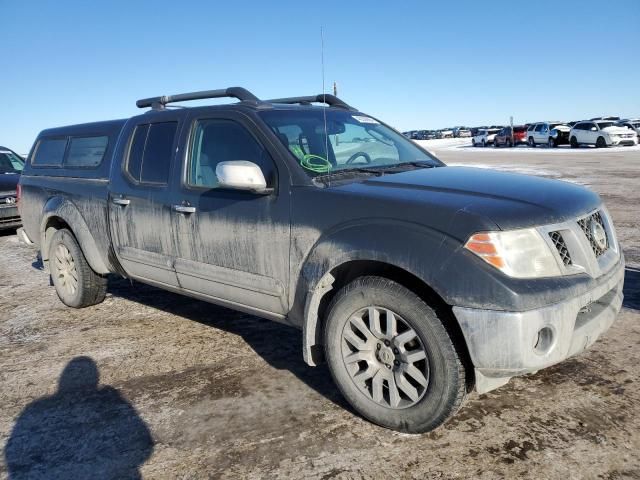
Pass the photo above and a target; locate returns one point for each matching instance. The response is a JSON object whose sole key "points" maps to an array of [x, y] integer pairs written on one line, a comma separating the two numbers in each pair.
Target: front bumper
{"points": [[9, 217], [505, 344], [629, 141]]}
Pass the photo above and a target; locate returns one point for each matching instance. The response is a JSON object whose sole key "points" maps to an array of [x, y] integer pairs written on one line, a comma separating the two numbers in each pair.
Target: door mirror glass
{"points": [[241, 175], [593, 129]]}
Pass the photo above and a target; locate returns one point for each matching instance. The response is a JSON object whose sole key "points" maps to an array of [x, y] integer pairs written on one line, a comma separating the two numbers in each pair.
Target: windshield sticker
{"points": [[362, 119]]}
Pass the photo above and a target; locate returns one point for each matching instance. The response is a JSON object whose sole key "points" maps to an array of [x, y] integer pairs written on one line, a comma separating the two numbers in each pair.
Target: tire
{"points": [[484, 144], [601, 143], [552, 143], [495, 144], [76, 284], [532, 144], [473, 142], [509, 143], [442, 389], [573, 142]]}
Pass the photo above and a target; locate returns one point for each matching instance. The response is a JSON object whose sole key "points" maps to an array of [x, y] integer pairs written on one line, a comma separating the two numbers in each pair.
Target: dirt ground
{"points": [[152, 383]]}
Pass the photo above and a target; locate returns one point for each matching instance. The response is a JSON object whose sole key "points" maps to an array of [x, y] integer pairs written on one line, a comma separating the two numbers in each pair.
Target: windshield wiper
{"points": [[418, 164], [349, 171]]}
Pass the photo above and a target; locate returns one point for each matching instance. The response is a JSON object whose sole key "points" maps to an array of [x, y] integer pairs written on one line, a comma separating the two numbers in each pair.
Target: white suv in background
{"points": [[601, 133], [551, 134], [484, 137]]}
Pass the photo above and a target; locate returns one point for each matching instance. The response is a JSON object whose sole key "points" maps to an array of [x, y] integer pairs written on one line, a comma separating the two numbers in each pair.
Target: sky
{"points": [[413, 64]]}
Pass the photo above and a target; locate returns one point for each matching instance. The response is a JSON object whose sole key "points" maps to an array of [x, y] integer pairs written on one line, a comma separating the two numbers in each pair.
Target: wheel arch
{"points": [[344, 273], [59, 213]]}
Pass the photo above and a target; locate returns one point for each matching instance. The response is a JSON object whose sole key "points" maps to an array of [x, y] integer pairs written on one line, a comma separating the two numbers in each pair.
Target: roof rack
{"points": [[242, 94], [158, 103], [330, 100]]}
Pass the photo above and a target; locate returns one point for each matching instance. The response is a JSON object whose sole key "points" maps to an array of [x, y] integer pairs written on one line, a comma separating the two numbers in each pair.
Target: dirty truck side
{"points": [[415, 281]]}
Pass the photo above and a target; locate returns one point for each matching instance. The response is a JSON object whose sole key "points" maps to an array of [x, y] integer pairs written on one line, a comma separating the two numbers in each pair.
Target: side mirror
{"points": [[593, 129], [242, 175]]}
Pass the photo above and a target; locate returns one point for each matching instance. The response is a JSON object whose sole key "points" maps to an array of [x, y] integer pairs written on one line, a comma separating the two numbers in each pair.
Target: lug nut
{"points": [[378, 346], [389, 367], [386, 342], [395, 350], [396, 362]]}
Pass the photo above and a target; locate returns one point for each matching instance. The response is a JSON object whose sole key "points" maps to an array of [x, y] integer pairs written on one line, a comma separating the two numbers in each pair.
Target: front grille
{"points": [[585, 225], [561, 246]]}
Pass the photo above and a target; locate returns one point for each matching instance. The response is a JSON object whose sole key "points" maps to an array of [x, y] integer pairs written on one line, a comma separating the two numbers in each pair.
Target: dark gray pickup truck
{"points": [[415, 281]]}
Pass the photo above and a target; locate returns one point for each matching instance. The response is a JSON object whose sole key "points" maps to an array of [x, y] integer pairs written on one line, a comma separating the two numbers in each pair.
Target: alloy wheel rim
{"points": [[66, 271], [385, 357]]}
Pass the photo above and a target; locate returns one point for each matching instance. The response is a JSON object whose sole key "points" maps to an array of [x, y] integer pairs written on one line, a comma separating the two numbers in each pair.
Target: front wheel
{"points": [[484, 144], [532, 143], [601, 143], [552, 143], [573, 142], [391, 357], [76, 284]]}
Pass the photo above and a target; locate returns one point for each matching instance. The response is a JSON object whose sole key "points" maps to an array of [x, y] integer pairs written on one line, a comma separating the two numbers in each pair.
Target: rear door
{"points": [[537, 133], [232, 245], [139, 201]]}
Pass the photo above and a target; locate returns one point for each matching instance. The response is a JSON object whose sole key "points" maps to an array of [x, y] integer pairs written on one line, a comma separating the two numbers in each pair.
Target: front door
{"points": [[139, 201], [232, 245]]}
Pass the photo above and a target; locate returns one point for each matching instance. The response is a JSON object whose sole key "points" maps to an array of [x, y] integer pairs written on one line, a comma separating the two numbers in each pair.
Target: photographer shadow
{"points": [[83, 430]]}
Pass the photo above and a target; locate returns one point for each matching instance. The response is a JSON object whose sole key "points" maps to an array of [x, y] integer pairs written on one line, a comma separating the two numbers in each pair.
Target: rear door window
{"points": [[50, 152], [86, 151], [151, 151]]}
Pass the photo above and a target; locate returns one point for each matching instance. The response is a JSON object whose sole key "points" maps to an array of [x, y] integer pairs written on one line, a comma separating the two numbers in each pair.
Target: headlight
{"points": [[517, 253]]}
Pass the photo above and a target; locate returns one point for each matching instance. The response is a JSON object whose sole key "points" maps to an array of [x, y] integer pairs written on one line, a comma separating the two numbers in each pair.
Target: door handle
{"points": [[123, 202], [183, 209]]}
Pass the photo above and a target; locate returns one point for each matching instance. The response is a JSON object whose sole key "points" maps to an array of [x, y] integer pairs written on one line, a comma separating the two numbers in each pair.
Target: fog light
{"points": [[544, 340]]}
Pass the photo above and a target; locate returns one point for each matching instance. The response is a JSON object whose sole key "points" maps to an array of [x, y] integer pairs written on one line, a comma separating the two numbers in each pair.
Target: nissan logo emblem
{"points": [[10, 200], [599, 235]]}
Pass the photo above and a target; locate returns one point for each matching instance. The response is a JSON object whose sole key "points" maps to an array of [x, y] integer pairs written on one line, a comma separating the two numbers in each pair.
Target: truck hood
{"points": [[507, 199], [8, 182]]}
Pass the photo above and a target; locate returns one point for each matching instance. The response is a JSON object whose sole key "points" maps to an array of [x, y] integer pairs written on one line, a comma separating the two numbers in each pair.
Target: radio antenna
{"points": [[324, 98]]}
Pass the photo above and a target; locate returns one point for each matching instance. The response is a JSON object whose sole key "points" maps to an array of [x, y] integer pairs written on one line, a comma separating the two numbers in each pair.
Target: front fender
{"points": [[65, 210], [416, 249]]}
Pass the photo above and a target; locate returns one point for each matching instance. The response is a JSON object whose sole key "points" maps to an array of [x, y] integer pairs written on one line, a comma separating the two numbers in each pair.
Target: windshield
{"points": [[10, 162], [605, 124], [354, 141]]}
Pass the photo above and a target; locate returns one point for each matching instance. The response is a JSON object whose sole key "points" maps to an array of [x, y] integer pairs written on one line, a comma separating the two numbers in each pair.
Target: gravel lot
{"points": [[191, 390]]}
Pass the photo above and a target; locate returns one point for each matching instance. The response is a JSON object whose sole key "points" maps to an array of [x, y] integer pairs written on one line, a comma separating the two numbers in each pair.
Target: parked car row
{"points": [[601, 132], [456, 132]]}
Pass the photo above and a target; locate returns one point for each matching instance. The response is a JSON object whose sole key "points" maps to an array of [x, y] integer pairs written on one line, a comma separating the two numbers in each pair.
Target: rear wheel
{"points": [[473, 142], [573, 142], [484, 144], [552, 143], [76, 284], [391, 356], [531, 142], [509, 143], [601, 143]]}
